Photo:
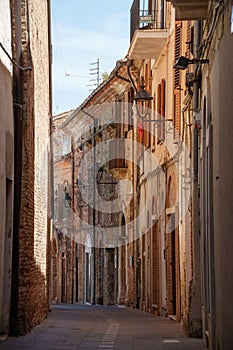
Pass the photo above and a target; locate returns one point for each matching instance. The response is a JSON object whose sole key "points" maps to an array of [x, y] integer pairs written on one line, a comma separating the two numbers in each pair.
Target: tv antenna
{"points": [[95, 71]]}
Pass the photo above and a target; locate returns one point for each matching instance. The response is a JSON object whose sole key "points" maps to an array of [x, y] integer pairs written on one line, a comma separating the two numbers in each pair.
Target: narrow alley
{"points": [[71, 327], [116, 209]]}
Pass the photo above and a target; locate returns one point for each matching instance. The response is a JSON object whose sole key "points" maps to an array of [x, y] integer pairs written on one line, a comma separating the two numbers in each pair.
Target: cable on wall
{"points": [[13, 61]]}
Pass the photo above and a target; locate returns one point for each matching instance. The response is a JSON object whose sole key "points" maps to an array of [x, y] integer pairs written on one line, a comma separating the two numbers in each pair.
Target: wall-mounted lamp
{"points": [[144, 98], [67, 198], [183, 62]]}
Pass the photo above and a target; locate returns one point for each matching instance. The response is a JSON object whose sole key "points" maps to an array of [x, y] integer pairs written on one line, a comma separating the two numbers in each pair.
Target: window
{"points": [[161, 99], [66, 145]]}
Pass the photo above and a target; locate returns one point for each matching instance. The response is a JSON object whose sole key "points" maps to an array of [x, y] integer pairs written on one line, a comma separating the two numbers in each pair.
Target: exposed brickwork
{"points": [[33, 245]]}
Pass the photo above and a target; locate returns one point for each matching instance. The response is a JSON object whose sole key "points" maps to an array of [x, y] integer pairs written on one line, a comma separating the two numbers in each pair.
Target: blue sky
{"points": [[81, 33]]}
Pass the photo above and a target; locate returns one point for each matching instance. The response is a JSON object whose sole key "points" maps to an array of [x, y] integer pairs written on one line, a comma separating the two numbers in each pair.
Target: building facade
{"points": [[172, 223], [169, 270], [6, 168], [25, 157], [212, 145], [97, 230]]}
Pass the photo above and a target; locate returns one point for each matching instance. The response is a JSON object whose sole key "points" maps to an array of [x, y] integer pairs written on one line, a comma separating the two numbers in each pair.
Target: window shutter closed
{"points": [[153, 125], [163, 96], [177, 83], [146, 127], [117, 153], [159, 113]]}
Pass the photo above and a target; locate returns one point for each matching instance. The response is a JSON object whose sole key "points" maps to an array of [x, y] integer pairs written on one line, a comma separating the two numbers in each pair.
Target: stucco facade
{"points": [[215, 178], [6, 167], [166, 248], [211, 152]]}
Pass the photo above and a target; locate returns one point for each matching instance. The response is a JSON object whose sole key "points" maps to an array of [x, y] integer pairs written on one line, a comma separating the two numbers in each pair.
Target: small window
{"points": [[66, 147]]}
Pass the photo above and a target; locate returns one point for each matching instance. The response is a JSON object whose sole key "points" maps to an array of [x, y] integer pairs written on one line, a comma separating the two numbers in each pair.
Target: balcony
{"points": [[148, 33], [147, 44], [193, 10]]}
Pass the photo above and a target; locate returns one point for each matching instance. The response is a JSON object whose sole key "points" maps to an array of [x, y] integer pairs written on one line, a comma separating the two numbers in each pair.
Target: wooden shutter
{"points": [[153, 125], [119, 126], [159, 112], [146, 126], [130, 102], [163, 99], [177, 82], [117, 153], [140, 138], [177, 114], [188, 39]]}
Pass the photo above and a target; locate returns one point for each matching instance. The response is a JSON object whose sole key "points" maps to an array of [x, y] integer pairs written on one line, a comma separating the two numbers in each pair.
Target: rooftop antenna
{"points": [[96, 72]]}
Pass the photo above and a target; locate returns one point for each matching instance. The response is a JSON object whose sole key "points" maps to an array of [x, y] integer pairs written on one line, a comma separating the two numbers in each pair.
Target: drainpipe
{"points": [[94, 200], [194, 316], [137, 260], [197, 34]]}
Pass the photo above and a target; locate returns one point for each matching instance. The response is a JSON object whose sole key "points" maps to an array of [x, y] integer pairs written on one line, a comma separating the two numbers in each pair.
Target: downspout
{"points": [[137, 263], [194, 315], [94, 200], [197, 34], [73, 246], [129, 63]]}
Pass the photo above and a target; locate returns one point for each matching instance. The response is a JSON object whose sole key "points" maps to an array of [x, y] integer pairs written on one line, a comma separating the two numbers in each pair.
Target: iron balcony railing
{"points": [[145, 19]]}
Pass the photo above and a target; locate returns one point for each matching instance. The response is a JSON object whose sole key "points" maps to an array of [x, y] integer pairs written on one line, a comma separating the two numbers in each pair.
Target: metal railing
{"points": [[145, 19]]}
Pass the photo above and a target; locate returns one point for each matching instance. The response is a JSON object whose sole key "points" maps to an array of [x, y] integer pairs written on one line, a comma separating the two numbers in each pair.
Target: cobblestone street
{"points": [[71, 327]]}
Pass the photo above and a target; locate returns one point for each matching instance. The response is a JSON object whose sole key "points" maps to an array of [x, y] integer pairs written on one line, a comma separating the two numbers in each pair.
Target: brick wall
{"points": [[30, 290]]}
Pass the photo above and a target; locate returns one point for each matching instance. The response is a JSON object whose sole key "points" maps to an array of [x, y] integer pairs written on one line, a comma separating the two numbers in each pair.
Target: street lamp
{"points": [[94, 202], [183, 62], [144, 98], [67, 200], [67, 197]]}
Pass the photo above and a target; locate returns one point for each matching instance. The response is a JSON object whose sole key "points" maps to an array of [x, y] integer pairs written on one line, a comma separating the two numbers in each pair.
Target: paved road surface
{"points": [[74, 327]]}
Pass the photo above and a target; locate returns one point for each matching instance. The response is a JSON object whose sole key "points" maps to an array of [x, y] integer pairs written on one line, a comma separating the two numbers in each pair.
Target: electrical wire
{"points": [[59, 45], [65, 72], [13, 61]]}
